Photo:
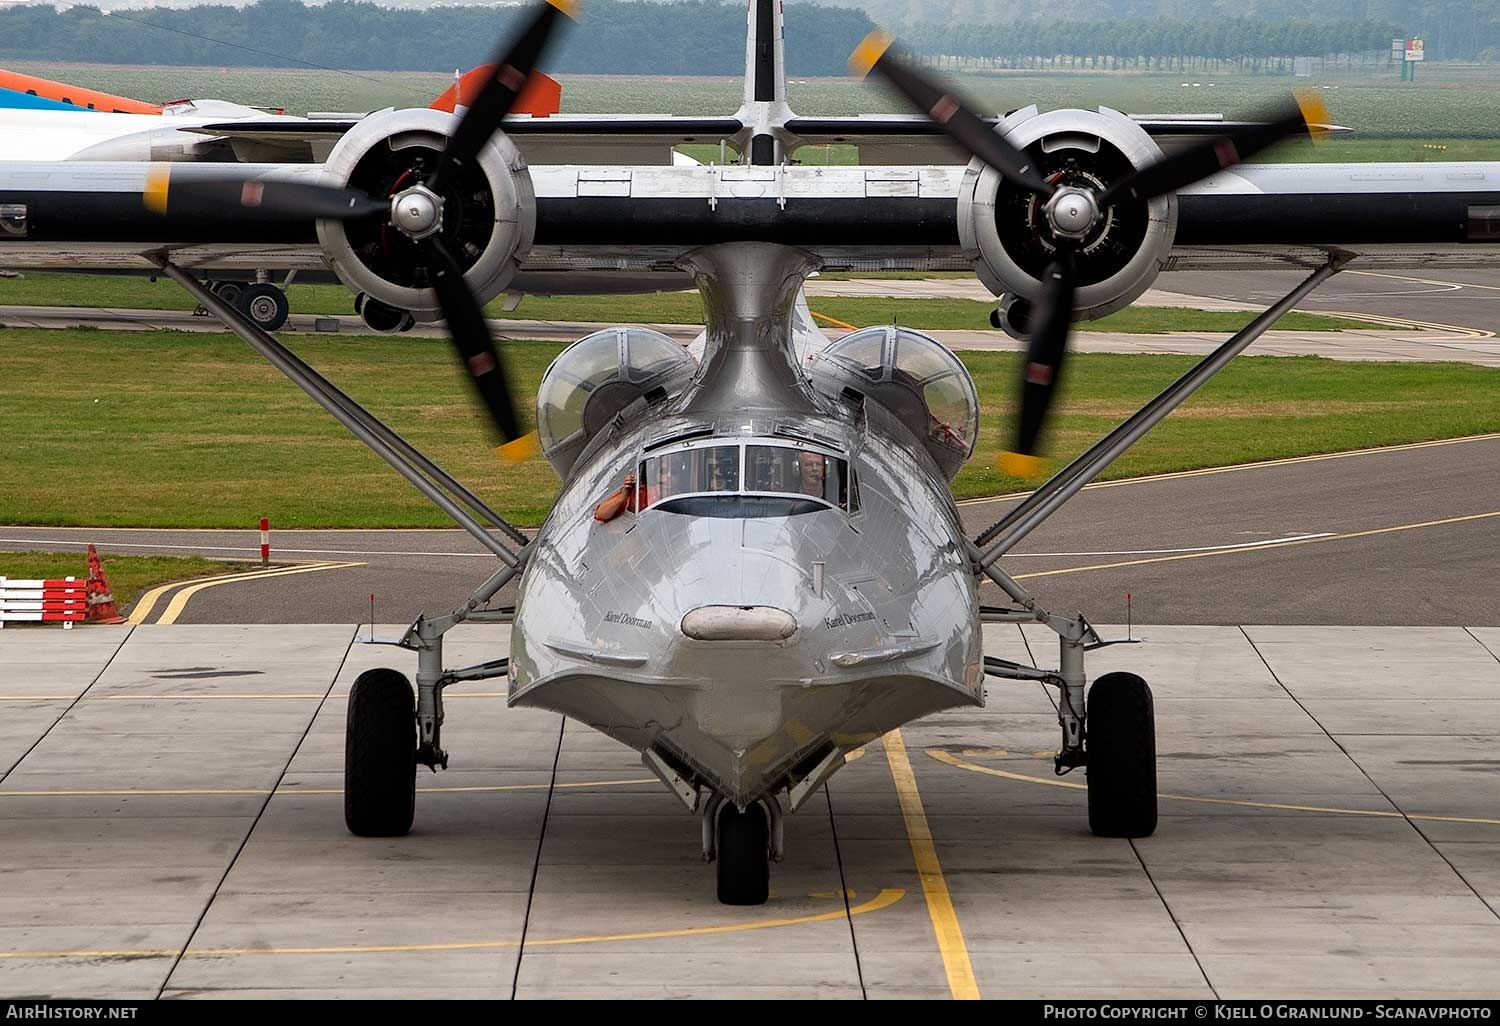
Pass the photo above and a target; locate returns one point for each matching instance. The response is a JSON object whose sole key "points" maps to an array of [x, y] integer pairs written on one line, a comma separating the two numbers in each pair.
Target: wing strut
{"points": [[1003, 536], [431, 480]]}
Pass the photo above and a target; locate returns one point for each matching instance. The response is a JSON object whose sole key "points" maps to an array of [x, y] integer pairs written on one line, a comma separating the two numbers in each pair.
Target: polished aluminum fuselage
{"points": [[883, 594]]}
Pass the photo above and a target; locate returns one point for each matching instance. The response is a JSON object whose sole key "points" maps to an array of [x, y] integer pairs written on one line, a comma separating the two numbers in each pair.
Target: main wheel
{"points": [[265, 304], [229, 291], [380, 756], [744, 865], [1121, 757]]}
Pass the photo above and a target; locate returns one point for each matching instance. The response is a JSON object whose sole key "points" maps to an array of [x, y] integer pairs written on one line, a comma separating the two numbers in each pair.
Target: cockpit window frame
{"points": [[849, 507]]}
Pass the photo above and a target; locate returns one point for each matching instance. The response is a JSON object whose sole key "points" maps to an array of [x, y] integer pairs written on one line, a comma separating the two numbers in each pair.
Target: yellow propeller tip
{"points": [[568, 7], [154, 195], [520, 449], [1018, 464], [1314, 112], [869, 51]]}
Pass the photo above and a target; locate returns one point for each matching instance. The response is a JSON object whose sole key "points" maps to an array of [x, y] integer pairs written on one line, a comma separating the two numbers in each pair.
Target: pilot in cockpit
{"points": [[812, 469]]}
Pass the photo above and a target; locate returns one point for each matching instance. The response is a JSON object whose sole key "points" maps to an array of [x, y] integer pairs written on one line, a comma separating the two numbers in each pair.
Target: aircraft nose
{"points": [[739, 623]]}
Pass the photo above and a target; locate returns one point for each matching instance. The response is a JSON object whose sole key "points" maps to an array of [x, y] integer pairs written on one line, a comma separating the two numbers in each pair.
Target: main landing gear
{"points": [[380, 756], [388, 733], [263, 303], [1121, 757], [1112, 733]]}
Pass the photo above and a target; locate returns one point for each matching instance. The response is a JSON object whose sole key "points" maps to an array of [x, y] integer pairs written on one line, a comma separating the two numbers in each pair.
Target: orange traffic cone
{"points": [[101, 600]]}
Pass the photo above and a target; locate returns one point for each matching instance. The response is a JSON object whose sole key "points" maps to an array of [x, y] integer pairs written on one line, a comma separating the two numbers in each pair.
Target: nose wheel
{"points": [[744, 855]]}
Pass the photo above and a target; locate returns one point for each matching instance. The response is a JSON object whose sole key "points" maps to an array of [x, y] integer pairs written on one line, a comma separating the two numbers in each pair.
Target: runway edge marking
{"points": [[1285, 461], [950, 935], [1262, 548]]}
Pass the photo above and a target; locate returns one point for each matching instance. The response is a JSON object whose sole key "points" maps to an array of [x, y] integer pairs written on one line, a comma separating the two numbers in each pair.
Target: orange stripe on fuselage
{"points": [[76, 95]]}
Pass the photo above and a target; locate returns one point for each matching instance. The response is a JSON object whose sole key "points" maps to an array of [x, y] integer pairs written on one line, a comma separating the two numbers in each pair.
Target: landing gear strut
{"points": [[1115, 735], [388, 733]]}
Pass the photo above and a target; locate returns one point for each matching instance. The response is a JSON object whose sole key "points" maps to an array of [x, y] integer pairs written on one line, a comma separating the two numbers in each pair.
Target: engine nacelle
{"points": [[489, 214], [1006, 228]]}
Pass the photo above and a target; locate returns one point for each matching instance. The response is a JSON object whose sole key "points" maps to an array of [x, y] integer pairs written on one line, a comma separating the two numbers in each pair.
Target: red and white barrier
{"points": [[64, 601], [265, 541]]}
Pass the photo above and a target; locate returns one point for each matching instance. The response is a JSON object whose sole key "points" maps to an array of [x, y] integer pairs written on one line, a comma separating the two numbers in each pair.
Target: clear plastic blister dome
{"points": [[915, 377], [598, 376]]}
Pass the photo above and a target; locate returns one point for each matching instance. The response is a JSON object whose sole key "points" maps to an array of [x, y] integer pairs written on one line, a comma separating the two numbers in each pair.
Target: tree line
{"points": [[1461, 29], [1151, 42], [690, 37]]}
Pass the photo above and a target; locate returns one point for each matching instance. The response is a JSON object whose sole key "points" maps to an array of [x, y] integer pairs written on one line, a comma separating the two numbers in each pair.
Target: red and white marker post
{"points": [[265, 541], [64, 600]]}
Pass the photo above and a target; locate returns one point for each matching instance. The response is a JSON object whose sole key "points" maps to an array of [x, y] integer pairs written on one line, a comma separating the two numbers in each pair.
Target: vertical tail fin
{"points": [[541, 97], [765, 69]]}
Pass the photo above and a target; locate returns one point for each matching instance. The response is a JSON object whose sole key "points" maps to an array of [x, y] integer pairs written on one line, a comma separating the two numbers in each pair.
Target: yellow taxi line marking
{"points": [[834, 321], [950, 936], [180, 600], [1466, 333], [959, 763], [1283, 462], [1261, 548], [886, 898], [1426, 281], [147, 602], [285, 791]]}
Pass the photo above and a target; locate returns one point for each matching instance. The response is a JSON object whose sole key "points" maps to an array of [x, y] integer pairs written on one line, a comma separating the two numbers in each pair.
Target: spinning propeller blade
{"points": [[1211, 156], [271, 200], [1073, 213], [470, 335], [1044, 358], [513, 66], [297, 201], [949, 111]]}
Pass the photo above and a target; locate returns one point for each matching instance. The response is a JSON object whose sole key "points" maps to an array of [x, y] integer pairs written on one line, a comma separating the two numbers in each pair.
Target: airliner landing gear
{"points": [[265, 305]]}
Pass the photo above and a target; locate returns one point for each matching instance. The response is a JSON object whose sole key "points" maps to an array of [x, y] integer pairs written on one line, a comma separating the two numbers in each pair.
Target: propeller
{"points": [[1071, 213], [417, 211]]}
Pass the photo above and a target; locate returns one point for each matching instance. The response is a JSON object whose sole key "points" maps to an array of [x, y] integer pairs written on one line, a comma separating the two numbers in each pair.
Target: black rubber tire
{"points": [[265, 305], [228, 291], [1121, 757], [380, 756], [744, 866]]}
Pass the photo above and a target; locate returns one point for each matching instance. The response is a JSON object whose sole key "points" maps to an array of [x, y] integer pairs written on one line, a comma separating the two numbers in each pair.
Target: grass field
{"points": [[128, 576], [1446, 103], [173, 430], [52, 289]]}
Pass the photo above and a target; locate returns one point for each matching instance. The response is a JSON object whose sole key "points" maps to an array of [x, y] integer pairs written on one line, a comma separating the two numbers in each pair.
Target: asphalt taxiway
{"points": [[1401, 535], [171, 824]]}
